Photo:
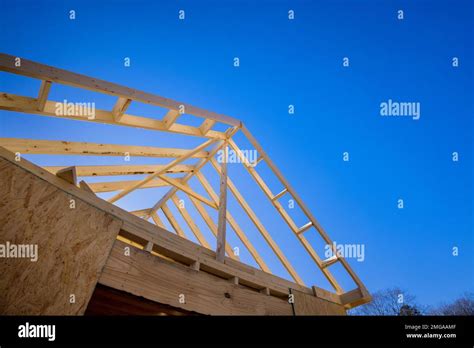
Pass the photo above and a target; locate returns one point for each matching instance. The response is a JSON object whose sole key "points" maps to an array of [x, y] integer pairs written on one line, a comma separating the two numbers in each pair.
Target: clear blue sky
{"points": [[337, 109]]}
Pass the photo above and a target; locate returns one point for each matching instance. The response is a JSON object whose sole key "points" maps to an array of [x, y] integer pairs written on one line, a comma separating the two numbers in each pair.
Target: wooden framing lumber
{"points": [[169, 215], [170, 118], [61, 147], [83, 185], [157, 220], [162, 281], [212, 226], [206, 126], [140, 213], [43, 94], [185, 188], [276, 249], [178, 160], [190, 222], [308, 213], [201, 163], [68, 174], [28, 105], [288, 220], [114, 170], [222, 213], [233, 223], [110, 186], [44, 72], [155, 174], [120, 107]]}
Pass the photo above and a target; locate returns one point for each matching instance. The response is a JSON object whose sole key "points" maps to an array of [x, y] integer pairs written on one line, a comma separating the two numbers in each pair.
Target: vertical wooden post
{"points": [[221, 224]]}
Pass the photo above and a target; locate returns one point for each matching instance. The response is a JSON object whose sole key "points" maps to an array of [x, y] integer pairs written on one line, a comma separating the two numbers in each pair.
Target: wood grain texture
{"points": [[305, 304], [73, 245], [160, 280]]}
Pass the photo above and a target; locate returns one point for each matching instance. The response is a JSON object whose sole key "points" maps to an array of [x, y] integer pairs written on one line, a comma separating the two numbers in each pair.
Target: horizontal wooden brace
{"points": [[110, 186], [61, 147], [12, 102], [328, 262], [113, 170], [304, 228], [280, 194]]}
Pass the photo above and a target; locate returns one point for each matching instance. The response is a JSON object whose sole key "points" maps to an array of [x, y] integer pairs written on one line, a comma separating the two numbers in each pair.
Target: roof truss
{"points": [[157, 175]]}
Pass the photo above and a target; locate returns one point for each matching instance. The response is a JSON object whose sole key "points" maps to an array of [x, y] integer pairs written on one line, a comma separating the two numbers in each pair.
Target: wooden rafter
{"points": [[178, 160], [169, 215], [190, 222], [201, 163], [188, 190], [61, 147]]}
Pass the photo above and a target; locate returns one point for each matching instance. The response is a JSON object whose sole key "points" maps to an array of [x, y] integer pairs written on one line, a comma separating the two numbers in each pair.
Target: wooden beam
{"points": [[61, 147], [235, 226], [304, 228], [49, 73], [212, 226], [68, 174], [198, 167], [43, 94], [280, 194], [12, 102], [170, 118], [111, 186], [157, 220], [169, 215], [190, 222], [120, 107], [206, 126], [263, 231], [185, 188], [222, 213], [178, 160], [140, 213], [162, 280], [114, 170], [83, 185]]}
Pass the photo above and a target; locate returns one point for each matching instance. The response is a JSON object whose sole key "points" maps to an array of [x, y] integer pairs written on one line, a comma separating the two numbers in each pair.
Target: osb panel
{"points": [[305, 304], [163, 281], [73, 245]]}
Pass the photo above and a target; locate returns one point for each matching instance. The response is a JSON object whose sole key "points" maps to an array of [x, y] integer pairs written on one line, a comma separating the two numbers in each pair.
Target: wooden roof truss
{"points": [[157, 175]]}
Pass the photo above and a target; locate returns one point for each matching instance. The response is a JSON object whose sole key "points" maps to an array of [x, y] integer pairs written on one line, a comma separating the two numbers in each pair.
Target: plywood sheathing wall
{"points": [[73, 246]]}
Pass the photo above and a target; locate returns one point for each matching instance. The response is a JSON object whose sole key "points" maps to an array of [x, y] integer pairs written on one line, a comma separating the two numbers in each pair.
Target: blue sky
{"points": [[337, 109]]}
